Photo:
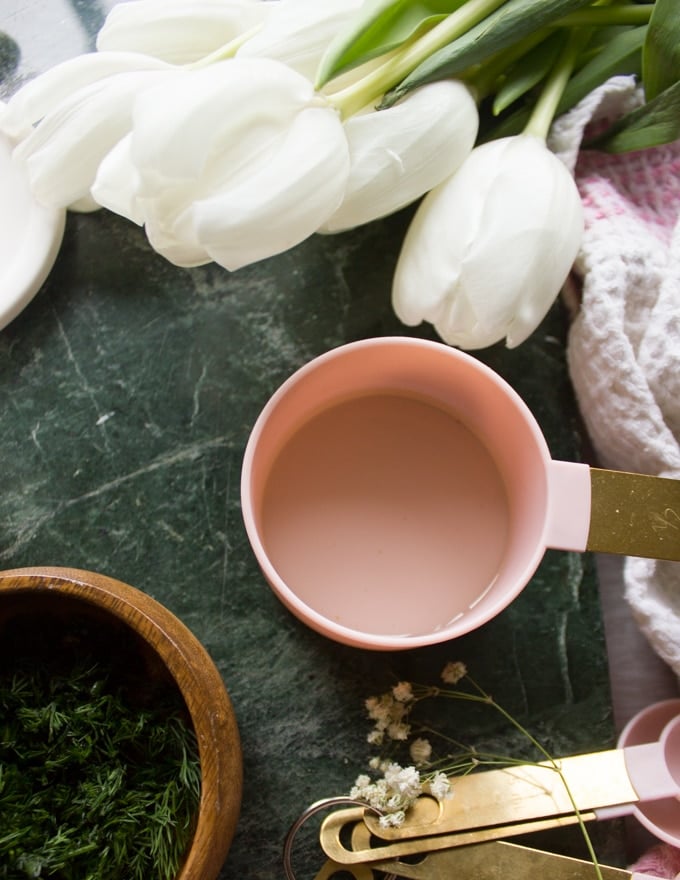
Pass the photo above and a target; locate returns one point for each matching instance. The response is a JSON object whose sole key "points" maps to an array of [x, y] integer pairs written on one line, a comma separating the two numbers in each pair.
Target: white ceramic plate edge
{"points": [[32, 234]]}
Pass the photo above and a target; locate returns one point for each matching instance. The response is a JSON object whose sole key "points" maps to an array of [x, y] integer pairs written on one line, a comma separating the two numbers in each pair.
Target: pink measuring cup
{"points": [[397, 492], [660, 815]]}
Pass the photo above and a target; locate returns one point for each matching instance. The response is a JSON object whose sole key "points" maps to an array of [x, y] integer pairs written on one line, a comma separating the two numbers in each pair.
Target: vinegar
{"points": [[386, 514]]}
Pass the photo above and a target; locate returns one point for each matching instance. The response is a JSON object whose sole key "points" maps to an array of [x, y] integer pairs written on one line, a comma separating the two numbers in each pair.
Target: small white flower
{"points": [[379, 708], [392, 794], [403, 692], [404, 780], [361, 787], [453, 672], [420, 751], [440, 787], [375, 737], [394, 802], [392, 820], [398, 731], [489, 249]]}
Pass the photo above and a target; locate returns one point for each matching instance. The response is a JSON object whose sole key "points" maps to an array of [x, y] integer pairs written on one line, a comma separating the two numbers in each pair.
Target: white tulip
{"points": [[298, 32], [399, 154], [62, 154], [233, 162], [179, 31], [489, 249], [45, 92]]}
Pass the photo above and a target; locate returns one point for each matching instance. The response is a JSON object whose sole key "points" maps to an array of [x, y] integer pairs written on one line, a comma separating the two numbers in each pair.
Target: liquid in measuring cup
{"points": [[386, 514]]}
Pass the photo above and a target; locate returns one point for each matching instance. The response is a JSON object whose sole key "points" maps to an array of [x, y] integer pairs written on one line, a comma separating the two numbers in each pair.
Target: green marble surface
{"points": [[128, 388]]}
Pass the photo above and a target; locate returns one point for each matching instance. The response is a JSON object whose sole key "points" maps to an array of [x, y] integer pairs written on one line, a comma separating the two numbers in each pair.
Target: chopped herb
{"points": [[96, 783]]}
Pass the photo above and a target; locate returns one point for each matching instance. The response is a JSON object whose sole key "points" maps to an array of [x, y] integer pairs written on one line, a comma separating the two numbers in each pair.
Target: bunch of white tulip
{"points": [[232, 130], [228, 154]]}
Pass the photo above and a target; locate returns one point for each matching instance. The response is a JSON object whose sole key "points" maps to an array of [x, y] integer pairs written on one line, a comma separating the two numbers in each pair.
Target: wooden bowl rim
{"points": [[199, 682]]}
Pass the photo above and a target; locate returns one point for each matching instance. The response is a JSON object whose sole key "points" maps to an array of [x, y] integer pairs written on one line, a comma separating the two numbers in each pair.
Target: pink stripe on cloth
{"points": [[644, 185]]}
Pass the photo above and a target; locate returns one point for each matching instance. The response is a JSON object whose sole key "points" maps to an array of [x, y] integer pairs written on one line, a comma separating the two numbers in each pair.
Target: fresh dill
{"points": [[94, 784]]}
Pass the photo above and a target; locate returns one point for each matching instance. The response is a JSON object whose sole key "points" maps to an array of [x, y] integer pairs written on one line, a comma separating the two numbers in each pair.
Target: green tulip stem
{"points": [[599, 16], [484, 79], [228, 50], [545, 108], [391, 72]]}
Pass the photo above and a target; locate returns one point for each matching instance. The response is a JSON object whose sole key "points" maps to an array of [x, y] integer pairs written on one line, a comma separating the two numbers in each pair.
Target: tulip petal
{"points": [[63, 153], [178, 251], [281, 202], [84, 205], [222, 112], [298, 32], [116, 188], [179, 31], [399, 154], [116, 183], [41, 95]]}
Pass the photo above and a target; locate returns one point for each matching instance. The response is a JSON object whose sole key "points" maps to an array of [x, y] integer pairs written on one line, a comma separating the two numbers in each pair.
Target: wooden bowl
{"points": [[165, 649]]}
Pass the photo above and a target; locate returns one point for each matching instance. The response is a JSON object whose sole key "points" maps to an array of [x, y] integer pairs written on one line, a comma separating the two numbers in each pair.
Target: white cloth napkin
{"points": [[624, 344]]}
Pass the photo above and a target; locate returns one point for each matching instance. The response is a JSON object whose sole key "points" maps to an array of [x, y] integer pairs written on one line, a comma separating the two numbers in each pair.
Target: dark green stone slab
{"points": [[127, 392]]}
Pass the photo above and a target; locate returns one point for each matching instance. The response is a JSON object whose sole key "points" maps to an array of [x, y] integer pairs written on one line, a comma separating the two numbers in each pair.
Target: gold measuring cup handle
{"points": [[485, 861], [634, 515]]}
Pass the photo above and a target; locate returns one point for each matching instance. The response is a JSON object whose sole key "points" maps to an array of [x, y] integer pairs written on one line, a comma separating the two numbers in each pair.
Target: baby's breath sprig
{"points": [[398, 787]]}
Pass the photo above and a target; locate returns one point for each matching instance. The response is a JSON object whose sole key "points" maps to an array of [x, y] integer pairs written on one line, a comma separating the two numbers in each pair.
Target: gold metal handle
{"points": [[370, 850], [634, 515], [500, 859], [493, 798]]}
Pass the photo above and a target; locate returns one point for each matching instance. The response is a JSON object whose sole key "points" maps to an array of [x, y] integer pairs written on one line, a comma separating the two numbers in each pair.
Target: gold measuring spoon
{"points": [[497, 860]]}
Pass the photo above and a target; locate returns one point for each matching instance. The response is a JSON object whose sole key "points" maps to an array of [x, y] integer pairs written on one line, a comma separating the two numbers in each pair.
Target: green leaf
{"points": [[379, 27], [527, 72], [656, 122], [661, 54], [513, 21], [621, 56]]}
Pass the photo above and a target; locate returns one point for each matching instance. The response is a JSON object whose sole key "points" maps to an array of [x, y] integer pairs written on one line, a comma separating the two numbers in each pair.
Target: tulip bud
{"points": [[489, 249], [399, 154]]}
